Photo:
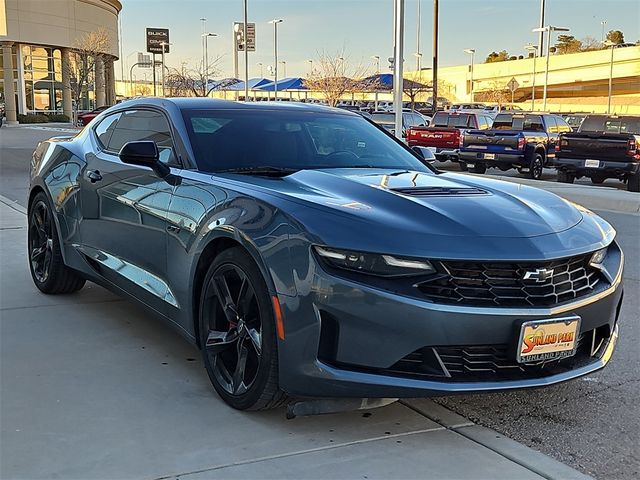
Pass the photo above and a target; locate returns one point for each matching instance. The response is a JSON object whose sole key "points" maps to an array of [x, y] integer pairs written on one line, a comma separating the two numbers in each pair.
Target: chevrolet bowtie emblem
{"points": [[539, 275]]}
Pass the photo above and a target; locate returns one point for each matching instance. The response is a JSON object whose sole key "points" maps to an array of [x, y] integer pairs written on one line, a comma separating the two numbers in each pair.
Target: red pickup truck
{"points": [[443, 134]]}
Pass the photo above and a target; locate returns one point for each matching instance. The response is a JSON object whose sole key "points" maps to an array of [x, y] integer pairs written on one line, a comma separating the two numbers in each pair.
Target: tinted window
{"points": [[290, 139], [105, 129], [507, 121], [611, 124], [443, 119], [137, 125]]}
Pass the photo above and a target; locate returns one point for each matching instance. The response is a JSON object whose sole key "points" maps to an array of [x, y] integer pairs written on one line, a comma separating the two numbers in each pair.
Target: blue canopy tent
{"points": [[294, 83], [254, 83], [384, 81]]}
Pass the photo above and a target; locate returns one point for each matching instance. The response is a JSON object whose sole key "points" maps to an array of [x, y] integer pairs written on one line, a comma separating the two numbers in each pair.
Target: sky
{"points": [[361, 28]]}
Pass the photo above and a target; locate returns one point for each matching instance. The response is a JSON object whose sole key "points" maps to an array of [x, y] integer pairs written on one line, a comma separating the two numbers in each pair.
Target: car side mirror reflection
{"points": [[145, 154]]}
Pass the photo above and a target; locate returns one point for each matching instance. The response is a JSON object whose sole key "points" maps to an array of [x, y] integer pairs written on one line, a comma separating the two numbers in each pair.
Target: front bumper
{"points": [[606, 167], [359, 332]]}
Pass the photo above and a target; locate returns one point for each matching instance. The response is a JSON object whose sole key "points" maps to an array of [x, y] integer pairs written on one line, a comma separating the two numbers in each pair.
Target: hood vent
{"points": [[439, 191]]}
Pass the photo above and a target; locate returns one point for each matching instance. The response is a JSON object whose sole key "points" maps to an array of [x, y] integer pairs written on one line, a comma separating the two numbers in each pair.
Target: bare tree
{"points": [[412, 89], [497, 93], [86, 51], [334, 77], [190, 81], [590, 43]]}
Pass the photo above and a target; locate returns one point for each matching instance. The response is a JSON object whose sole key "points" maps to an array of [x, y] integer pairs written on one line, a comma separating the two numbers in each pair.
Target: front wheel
{"points": [[463, 166], [48, 271], [633, 183], [536, 166], [238, 333]]}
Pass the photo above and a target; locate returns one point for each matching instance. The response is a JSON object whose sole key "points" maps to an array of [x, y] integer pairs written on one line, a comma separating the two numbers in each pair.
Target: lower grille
{"points": [[504, 284], [493, 363]]}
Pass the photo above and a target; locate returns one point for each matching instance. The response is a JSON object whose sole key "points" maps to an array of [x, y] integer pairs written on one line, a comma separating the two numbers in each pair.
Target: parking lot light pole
{"points": [[472, 52], [548, 29], [246, 51], [206, 61], [310, 62], [284, 68], [611, 45], [397, 67], [375, 100], [260, 64], [164, 48], [275, 23], [534, 49]]}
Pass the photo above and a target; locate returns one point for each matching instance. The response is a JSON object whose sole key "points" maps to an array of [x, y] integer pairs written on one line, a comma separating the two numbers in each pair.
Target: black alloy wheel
{"points": [[536, 167], [46, 264], [40, 241], [237, 332]]}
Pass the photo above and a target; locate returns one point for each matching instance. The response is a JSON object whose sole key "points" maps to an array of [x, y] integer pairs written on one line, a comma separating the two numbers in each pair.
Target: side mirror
{"points": [[145, 154], [425, 154]]}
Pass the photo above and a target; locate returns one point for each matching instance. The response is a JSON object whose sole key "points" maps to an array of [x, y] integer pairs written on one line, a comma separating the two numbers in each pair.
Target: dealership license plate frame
{"points": [[590, 163], [546, 352], [489, 156]]}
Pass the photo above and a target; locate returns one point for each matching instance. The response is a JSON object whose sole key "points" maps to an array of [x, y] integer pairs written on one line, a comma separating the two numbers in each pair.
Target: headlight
{"points": [[374, 264], [598, 257]]}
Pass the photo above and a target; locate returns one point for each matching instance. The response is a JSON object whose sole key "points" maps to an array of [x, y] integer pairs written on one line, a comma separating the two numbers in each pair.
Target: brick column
{"points": [[9, 90], [100, 92], [67, 97]]}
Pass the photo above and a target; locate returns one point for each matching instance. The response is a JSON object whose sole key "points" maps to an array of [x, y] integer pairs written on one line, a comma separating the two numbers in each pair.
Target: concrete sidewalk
{"points": [[93, 387]]}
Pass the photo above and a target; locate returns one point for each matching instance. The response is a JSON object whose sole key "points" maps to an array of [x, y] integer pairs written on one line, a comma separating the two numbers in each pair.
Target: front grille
{"points": [[503, 284]]}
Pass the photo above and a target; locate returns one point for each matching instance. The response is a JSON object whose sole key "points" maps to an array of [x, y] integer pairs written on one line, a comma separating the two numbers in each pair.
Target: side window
{"points": [[489, 121], [105, 129], [552, 127], [563, 126], [138, 125]]}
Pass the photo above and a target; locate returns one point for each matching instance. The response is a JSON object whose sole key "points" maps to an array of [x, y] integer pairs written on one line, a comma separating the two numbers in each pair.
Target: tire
{"points": [[536, 166], [479, 168], [463, 166], [597, 180], [48, 271], [228, 334], [566, 177], [633, 183]]}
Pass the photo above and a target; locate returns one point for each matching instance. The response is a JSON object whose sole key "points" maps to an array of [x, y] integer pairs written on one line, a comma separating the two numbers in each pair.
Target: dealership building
{"points": [[38, 39]]}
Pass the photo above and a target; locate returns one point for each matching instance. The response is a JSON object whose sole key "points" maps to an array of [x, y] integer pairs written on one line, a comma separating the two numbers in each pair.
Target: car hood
{"points": [[446, 204]]}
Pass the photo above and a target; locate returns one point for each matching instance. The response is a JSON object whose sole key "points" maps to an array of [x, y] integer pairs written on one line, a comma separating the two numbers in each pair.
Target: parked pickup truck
{"points": [[442, 136], [605, 146], [524, 141]]}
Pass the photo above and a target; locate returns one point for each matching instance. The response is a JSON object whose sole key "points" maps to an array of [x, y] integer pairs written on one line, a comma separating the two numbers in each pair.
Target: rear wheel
{"points": [[237, 333], [479, 168], [566, 177], [463, 166], [633, 183], [48, 271], [536, 166], [597, 180]]}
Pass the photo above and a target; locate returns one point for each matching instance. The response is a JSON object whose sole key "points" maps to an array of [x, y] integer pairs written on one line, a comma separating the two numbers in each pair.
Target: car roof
{"points": [[200, 103]]}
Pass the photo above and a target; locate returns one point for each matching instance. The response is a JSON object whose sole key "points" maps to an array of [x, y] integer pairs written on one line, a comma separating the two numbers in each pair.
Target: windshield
{"points": [[518, 122], [611, 125], [448, 120], [254, 138]]}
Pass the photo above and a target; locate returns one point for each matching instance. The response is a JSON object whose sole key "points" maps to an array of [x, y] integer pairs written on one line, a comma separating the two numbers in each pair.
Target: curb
{"points": [[13, 204], [526, 457]]}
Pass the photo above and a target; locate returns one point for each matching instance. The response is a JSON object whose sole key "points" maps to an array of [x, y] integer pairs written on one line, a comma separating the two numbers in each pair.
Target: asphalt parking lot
{"points": [[128, 389]]}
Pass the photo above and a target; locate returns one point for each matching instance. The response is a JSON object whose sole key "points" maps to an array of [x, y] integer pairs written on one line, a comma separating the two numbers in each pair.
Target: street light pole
{"points": [[275, 23], [533, 81], [164, 45], [206, 62], [611, 45], [548, 29], [418, 54], [603, 23], [203, 29], [541, 32], [398, 67], [471, 51], [246, 54], [434, 81], [284, 68], [310, 67]]}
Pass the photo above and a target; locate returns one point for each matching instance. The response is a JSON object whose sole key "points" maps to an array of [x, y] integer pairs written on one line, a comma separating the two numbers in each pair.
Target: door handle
{"points": [[94, 176]]}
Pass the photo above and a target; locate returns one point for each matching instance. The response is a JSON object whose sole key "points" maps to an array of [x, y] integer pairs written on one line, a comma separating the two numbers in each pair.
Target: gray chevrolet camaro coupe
{"points": [[310, 254]]}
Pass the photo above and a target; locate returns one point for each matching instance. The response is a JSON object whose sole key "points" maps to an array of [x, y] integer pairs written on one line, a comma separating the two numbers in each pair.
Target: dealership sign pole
{"points": [[155, 38]]}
